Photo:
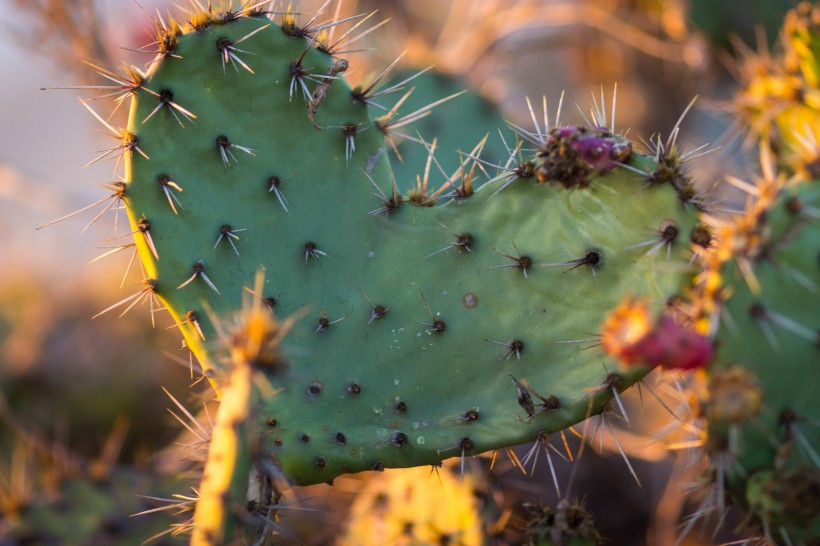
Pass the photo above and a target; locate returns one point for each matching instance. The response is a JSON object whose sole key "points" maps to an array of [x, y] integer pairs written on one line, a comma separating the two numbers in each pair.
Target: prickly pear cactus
{"points": [[431, 324], [83, 510], [416, 507], [761, 402], [763, 282], [780, 98]]}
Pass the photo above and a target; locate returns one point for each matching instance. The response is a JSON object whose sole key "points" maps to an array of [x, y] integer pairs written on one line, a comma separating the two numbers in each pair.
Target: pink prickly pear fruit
{"points": [[671, 345], [631, 335]]}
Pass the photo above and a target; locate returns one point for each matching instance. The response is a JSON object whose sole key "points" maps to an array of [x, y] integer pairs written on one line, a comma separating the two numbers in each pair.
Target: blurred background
{"points": [[73, 380]]}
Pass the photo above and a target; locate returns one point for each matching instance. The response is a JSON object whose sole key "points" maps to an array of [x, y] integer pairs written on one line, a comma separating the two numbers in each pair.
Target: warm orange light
{"points": [[624, 328]]}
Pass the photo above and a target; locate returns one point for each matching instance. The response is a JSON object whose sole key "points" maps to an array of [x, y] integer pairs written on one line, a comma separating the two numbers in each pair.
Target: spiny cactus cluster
{"points": [[761, 288], [401, 321]]}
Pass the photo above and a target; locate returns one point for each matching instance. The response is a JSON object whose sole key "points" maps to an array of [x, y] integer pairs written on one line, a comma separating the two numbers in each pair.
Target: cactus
{"points": [[433, 324], [762, 282], [568, 523], [84, 511], [424, 323], [53, 496], [415, 507], [780, 97], [759, 404]]}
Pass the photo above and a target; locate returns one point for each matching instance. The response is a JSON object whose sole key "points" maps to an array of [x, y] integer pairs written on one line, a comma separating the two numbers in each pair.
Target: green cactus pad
{"points": [[426, 328]]}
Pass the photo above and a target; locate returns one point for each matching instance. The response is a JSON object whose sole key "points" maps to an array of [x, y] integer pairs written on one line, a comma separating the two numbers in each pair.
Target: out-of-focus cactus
{"points": [[780, 98], [568, 524], [49, 495], [416, 507], [760, 291], [760, 403]]}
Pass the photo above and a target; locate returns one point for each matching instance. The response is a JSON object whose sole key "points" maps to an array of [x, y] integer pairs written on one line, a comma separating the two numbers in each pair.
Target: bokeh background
{"points": [[74, 381]]}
